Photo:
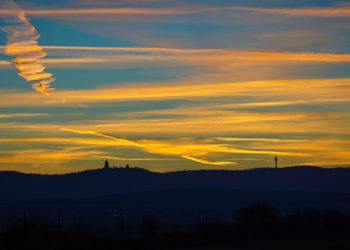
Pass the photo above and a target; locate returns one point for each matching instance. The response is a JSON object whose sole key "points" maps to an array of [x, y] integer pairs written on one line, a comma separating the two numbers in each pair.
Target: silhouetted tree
{"points": [[315, 222], [257, 214], [150, 226], [257, 220]]}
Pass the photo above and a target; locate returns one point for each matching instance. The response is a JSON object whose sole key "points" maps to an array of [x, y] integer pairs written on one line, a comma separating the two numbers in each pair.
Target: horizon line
{"points": [[184, 170]]}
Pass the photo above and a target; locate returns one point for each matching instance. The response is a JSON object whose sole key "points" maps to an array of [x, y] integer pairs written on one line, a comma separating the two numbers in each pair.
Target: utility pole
{"points": [[24, 217], [199, 217], [121, 224], [59, 220]]}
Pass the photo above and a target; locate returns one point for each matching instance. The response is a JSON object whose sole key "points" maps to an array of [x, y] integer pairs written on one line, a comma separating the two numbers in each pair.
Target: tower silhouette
{"points": [[276, 159], [106, 165]]}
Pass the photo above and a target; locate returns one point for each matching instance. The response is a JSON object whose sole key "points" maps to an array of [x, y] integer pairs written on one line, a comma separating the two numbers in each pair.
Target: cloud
{"points": [[14, 115], [48, 155], [96, 142], [151, 146], [187, 151], [25, 51], [194, 55], [288, 103], [314, 149], [113, 2], [336, 11], [323, 149], [217, 124], [328, 90], [256, 139]]}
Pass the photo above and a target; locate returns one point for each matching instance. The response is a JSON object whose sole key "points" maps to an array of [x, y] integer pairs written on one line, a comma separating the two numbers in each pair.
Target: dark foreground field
{"points": [[255, 226], [310, 245]]}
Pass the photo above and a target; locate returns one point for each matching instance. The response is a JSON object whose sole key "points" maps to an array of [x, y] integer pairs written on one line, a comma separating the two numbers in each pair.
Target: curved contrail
{"points": [[148, 147], [25, 51]]}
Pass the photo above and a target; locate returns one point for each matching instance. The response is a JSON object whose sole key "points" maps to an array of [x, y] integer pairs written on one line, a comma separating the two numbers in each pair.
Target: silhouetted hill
{"points": [[18, 186]]}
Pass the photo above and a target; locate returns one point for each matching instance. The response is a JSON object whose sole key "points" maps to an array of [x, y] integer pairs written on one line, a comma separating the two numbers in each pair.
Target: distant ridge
{"points": [[19, 186], [133, 169]]}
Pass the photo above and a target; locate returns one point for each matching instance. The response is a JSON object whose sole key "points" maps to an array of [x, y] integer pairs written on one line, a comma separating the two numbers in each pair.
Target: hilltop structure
{"points": [[127, 166], [106, 165], [276, 159]]}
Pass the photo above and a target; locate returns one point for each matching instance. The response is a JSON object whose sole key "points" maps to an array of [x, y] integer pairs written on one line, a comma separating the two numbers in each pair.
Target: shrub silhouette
{"points": [[257, 219], [314, 222], [257, 214], [150, 226]]}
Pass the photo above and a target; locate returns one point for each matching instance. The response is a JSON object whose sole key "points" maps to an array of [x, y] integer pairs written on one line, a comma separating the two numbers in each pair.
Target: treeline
{"points": [[255, 226]]}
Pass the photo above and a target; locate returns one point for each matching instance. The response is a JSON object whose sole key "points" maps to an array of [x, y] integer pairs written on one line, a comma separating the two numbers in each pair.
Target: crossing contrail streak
{"points": [[149, 147], [25, 51]]}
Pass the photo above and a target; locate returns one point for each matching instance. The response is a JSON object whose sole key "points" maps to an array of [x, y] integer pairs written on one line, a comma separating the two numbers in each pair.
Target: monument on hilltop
{"points": [[106, 165]]}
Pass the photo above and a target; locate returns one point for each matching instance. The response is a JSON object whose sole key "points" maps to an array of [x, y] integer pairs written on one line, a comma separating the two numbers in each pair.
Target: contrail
{"points": [[147, 147], [121, 140], [25, 51], [208, 162]]}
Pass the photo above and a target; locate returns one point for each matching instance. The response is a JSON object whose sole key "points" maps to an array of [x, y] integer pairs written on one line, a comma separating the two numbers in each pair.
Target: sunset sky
{"points": [[172, 85]]}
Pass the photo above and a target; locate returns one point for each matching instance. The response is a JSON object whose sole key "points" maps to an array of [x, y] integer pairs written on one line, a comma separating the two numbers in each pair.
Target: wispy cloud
{"points": [[112, 2], [256, 139], [217, 123], [61, 155], [193, 152], [328, 90], [14, 115], [185, 55], [23, 47], [149, 146], [314, 150], [336, 11], [48, 155]]}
